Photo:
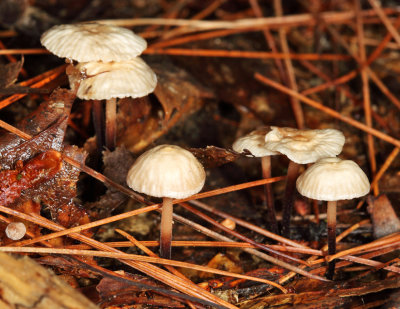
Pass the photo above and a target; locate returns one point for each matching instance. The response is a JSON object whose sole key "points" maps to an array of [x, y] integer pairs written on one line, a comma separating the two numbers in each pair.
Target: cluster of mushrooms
{"points": [[105, 65], [329, 178]]}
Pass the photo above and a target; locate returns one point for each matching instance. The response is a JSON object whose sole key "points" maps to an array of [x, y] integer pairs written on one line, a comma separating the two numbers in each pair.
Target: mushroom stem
{"points": [[269, 199], [293, 172], [111, 123], [98, 120], [166, 228], [331, 218]]}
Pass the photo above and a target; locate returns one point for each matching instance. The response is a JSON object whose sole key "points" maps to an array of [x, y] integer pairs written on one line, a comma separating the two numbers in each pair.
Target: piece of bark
{"points": [[383, 216], [26, 284]]}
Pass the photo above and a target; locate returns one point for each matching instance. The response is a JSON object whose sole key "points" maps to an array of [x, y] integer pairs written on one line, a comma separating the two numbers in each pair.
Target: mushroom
{"points": [[84, 42], [100, 44], [15, 230], [333, 179], [168, 172], [110, 80], [254, 142], [301, 147]]}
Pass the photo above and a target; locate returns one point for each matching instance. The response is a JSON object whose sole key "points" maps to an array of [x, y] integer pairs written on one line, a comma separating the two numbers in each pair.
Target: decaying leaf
{"points": [[33, 169], [51, 115], [36, 171], [140, 121], [174, 88], [212, 156], [383, 216]]}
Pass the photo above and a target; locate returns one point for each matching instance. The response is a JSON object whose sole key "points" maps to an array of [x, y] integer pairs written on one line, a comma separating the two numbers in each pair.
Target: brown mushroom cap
{"points": [[103, 81], [305, 146], [93, 42], [333, 179], [167, 171], [255, 143]]}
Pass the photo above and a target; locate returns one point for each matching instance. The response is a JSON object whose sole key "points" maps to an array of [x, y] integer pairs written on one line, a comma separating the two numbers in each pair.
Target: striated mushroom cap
{"points": [[103, 81], [93, 42], [255, 143], [333, 179], [167, 171], [305, 146]]}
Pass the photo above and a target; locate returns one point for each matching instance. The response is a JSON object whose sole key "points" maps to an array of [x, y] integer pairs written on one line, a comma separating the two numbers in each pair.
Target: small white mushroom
{"points": [[166, 171], [333, 179], [255, 143]]}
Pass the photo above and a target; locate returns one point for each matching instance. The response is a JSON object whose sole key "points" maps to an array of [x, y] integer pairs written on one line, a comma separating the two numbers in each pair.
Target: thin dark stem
{"points": [[111, 123], [269, 198], [293, 171], [166, 228], [331, 218]]}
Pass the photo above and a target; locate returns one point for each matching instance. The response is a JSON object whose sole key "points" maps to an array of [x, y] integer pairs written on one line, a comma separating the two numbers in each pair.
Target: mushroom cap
{"points": [[305, 146], [106, 80], [255, 143], [93, 42], [333, 179], [15, 230], [167, 171]]}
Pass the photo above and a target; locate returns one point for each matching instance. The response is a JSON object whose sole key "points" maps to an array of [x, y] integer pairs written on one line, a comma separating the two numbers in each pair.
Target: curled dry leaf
{"points": [[140, 121], [212, 156]]}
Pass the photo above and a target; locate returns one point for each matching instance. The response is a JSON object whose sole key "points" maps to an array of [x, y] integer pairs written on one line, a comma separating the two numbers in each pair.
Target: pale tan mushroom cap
{"points": [[103, 81], [93, 42], [167, 171], [333, 179], [255, 143], [15, 230], [305, 146]]}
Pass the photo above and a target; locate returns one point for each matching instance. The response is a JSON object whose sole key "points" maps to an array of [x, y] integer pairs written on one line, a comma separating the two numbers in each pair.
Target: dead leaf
{"points": [[141, 122], [212, 156], [36, 171]]}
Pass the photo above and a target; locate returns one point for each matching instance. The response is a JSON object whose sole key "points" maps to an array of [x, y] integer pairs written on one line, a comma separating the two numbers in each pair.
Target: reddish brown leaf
{"points": [[36, 171]]}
